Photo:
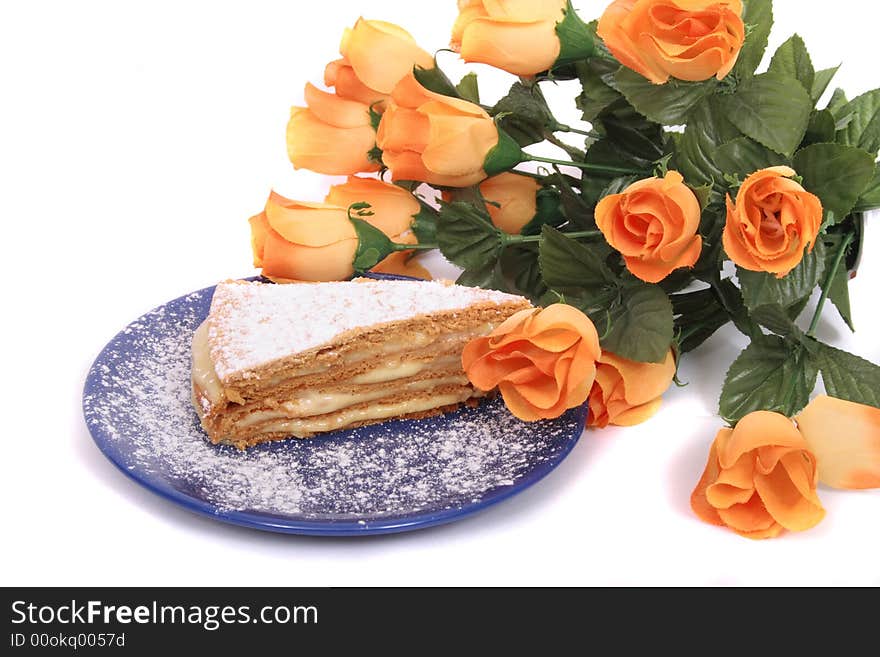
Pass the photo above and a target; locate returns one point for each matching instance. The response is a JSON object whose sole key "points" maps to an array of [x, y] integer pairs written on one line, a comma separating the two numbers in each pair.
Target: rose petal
{"points": [[786, 504], [845, 437], [754, 431]]}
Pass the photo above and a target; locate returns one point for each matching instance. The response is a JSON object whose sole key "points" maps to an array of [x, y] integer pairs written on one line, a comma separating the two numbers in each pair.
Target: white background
{"points": [[136, 138]]}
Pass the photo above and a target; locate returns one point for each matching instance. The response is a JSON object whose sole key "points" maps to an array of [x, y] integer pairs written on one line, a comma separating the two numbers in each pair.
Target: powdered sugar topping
{"points": [[252, 324]]}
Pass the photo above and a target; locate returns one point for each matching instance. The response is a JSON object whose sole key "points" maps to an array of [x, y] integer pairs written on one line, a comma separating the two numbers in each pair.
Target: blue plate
{"points": [[392, 477]]}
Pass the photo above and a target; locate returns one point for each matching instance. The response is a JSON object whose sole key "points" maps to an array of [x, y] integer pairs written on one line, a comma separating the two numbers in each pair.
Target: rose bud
{"points": [[653, 224], [542, 361], [332, 135], [760, 480], [517, 36], [375, 56], [435, 139], [772, 222], [299, 241], [691, 40], [511, 200]]}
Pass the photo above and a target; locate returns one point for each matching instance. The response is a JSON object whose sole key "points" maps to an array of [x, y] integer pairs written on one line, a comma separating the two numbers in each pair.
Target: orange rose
{"points": [[331, 136], [375, 56], [627, 393], [653, 223], [542, 361], [511, 201], [690, 40], [846, 440], [293, 240], [393, 211], [760, 480], [518, 36], [433, 138], [773, 220]]}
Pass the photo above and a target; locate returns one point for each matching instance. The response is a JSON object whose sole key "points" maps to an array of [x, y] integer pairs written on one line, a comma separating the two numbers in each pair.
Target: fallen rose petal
{"points": [[846, 440]]}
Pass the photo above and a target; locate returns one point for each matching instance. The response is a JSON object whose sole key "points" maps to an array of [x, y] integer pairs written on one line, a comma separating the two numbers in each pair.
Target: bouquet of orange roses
{"points": [[709, 193]]}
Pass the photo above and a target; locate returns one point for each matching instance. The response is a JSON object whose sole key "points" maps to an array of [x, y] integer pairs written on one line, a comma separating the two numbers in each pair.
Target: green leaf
{"points": [[698, 316], [871, 196], [568, 265], [434, 79], [467, 237], [838, 287], [849, 377], [772, 374], [762, 289], [793, 60], [596, 94], [487, 277], [523, 113], [863, 129], [777, 319], [836, 174], [668, 104], [758, 17], [822, 128], [743, 156], [373, 245], [641, 324], [822, 80], [469, 88], [837, 104], [520, 265], [772, 109], [707, 129], [425, 224], [730, 298]]}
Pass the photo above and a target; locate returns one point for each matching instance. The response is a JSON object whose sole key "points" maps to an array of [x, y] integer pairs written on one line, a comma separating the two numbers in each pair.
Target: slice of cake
{"points": [[279, 361]]}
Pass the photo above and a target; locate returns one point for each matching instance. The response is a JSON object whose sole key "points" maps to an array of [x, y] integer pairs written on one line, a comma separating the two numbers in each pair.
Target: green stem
{"points": [[561, 127], [595, 168], [413, 247], [572, 151], [829, 280], [535, 239]]}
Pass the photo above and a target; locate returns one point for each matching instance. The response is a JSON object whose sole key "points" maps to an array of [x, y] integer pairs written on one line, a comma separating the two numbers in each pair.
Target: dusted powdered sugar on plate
{"points": [[286, 319], [138, 408]]}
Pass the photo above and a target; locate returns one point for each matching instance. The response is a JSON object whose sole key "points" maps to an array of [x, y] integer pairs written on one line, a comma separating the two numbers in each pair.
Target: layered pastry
{"points": [[278, 361]]}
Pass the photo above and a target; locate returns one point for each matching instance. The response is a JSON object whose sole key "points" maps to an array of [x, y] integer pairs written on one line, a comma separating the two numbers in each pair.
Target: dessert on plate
{"points": [[278, 361]]}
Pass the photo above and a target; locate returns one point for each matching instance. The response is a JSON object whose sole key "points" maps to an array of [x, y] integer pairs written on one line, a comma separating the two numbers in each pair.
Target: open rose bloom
{"points": [[542, 361], [772, 222], [691, 40], [653, 224], [760, 480]]}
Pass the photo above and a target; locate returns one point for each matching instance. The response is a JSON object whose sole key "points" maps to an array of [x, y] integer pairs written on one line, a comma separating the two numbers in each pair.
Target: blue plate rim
{"points": [[327, 528]]}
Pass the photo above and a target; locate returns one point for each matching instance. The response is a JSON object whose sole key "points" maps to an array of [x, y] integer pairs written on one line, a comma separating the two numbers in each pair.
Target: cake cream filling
{"points": [[203, 374], [321, 403], [307, 426], [394, 368]]}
